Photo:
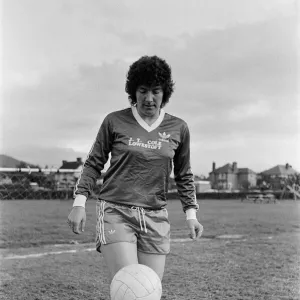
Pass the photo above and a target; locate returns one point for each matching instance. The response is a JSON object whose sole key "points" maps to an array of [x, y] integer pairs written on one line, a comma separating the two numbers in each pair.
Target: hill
{"points": [[10, 162]]}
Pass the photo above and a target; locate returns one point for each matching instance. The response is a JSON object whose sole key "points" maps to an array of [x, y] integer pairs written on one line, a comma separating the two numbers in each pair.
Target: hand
{"points": [[195, 227], [76, 219]]}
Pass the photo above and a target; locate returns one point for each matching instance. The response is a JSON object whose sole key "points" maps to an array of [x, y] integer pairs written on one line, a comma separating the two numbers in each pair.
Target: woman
{"points": [[144, 142]]}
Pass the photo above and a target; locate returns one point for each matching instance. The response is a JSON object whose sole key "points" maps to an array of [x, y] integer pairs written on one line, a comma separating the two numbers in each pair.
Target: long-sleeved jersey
{"points": [[142, 158]]}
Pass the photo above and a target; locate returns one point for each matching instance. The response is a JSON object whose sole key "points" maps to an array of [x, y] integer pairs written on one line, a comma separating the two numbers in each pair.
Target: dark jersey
{"points": [[142, 158]]}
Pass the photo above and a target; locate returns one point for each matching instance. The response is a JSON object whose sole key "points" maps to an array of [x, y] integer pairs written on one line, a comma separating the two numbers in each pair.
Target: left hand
{"points": [[195, 228]]}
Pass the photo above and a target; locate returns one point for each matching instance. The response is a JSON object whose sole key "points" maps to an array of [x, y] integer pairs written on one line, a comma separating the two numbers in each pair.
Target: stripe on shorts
{"points": [[100, 223]]}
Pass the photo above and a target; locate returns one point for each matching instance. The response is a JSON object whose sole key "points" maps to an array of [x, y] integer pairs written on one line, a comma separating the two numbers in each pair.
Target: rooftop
{"points": [[280, 170], [73, 165]]}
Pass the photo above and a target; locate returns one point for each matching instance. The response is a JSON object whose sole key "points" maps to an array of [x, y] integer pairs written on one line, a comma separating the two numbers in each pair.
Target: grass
{"points": [[263, 264]]}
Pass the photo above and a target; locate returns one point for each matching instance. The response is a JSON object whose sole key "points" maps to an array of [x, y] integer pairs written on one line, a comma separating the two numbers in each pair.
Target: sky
{"points": [[235, 64]]}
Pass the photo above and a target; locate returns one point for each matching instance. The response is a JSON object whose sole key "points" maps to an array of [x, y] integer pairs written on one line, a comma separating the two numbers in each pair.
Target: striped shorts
{"points": [[148, 229]]}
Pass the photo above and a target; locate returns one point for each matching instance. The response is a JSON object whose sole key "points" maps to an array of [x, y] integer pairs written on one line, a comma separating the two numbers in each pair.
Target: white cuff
{"points": [[79, 201], [191, 214]]}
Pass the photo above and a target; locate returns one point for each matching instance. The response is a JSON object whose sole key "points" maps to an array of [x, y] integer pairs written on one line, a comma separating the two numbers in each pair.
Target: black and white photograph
{"points": [[149, 150]]}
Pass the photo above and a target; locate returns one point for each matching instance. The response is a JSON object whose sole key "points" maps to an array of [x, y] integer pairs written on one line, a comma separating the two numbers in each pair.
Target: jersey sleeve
{"points": [[183, 175], [96, 160]]}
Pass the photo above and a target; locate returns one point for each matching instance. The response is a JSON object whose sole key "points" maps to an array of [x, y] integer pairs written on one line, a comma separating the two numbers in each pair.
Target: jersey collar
{"points": [[140, 120]]}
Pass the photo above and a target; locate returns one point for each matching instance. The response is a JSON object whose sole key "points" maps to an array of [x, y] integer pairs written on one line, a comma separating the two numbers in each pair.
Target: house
{"points": [[4, 179], [246, 178], [68, 173], [230, 177], [277, 175]]}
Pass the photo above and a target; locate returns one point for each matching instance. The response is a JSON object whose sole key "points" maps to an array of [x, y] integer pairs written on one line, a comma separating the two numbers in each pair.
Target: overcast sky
{"points": [[234, 62]]}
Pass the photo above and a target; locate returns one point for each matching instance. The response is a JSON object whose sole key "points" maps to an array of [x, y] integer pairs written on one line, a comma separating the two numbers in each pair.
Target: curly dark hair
{"points": [[150, 71]]}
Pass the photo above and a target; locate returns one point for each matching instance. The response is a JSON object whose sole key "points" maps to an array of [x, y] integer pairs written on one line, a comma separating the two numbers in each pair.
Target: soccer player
{"points": [[145, 143]]}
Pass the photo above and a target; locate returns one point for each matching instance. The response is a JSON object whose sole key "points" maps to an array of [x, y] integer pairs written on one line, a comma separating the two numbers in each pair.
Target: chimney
{"points": [[287, 165], [213, 166], [234, 166], [79, 160], [64, 162]]}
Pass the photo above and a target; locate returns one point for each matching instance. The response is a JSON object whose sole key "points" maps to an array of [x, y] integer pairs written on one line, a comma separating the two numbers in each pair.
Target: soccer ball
{"points": [[136, 282]]}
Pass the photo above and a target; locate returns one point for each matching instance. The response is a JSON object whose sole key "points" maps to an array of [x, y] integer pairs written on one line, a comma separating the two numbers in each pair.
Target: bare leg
{"points": [[154, 261], [119, 255]]}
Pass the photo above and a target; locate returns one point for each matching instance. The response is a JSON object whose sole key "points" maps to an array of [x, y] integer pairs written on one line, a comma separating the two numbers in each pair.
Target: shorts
{"points": [[148, 229]]}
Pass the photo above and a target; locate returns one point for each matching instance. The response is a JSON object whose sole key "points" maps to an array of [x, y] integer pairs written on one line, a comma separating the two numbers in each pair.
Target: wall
{"points": [[232, 178], [202, 186], [223, 181], [246, 180], [65, 180]]}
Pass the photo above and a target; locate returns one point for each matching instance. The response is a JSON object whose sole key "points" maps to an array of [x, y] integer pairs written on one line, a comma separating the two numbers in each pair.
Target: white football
{"points": [[136, 282]]}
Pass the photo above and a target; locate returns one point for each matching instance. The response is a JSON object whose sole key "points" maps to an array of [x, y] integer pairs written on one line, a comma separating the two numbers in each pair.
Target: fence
{"points": [[26, 183]]}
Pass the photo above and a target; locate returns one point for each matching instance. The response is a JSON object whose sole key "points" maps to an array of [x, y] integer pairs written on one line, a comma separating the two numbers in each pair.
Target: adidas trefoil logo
{"points": [[164, 137], [111, 231]]}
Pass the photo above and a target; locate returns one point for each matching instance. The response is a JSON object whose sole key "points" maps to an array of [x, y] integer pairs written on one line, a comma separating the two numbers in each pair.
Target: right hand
{"points": [[76, 219]]}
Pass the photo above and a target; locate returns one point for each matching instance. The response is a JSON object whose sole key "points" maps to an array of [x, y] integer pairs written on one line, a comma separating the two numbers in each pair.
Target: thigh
{"points": [[119, 255], [154, 261]]}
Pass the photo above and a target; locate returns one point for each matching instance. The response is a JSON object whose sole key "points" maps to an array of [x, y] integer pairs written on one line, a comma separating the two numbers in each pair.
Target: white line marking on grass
{"points": [[35, 255], [178, 240], [229, 236], [45, 253], [189, 240]]}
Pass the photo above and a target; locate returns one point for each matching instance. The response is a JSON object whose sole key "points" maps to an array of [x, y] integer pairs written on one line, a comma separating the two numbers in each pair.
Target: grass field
{"points": [[42, 259]]}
